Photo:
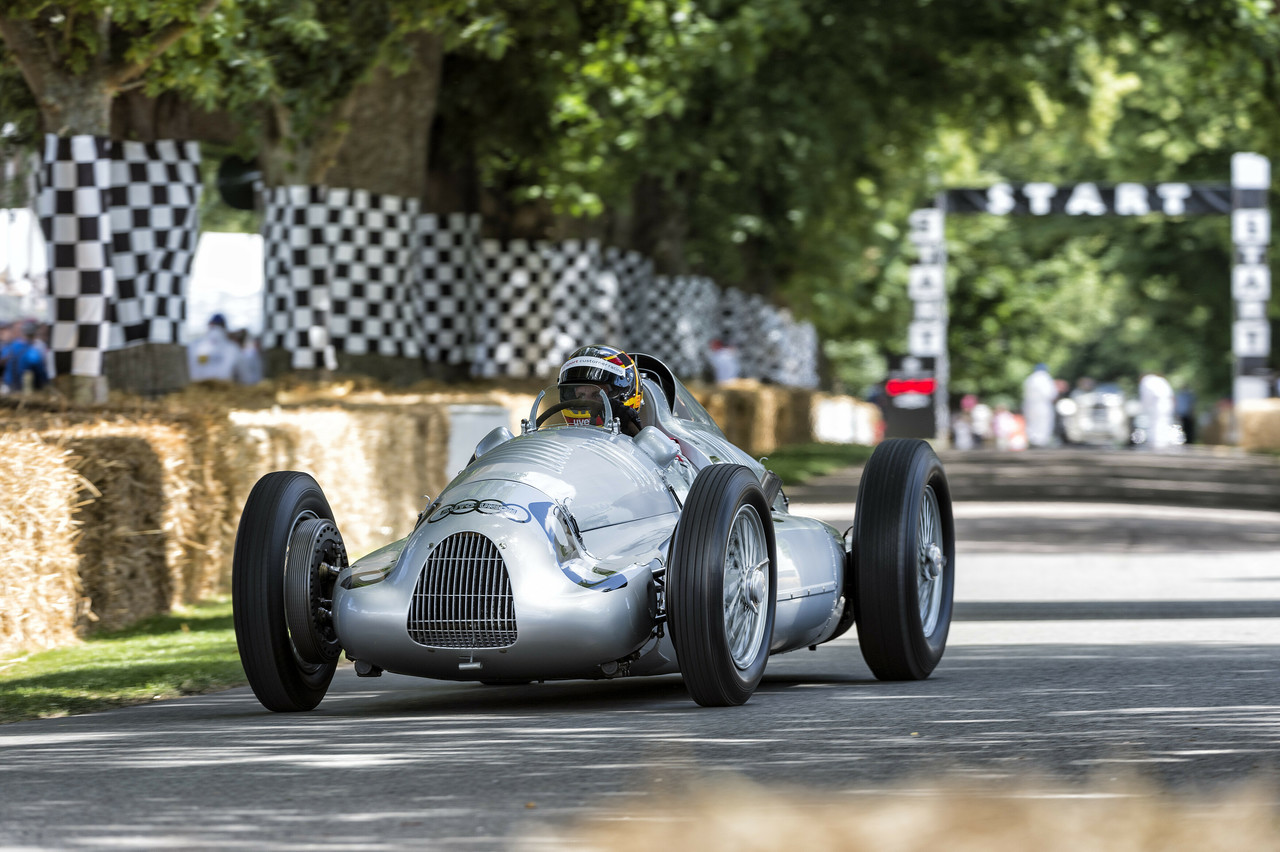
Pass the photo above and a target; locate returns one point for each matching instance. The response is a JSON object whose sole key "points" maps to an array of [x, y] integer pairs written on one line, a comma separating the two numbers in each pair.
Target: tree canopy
{"points": [[774, 145]]}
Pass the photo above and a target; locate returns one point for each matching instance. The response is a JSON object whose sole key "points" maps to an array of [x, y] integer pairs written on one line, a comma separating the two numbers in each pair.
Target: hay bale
{"points": [[123, 569], [158, 498], [39, 530], [375, 462], [1259, 424]]}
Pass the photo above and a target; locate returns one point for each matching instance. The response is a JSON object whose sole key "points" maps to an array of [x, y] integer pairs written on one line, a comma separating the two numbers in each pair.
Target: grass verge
{"points": [[188, 652], [799, 463]]}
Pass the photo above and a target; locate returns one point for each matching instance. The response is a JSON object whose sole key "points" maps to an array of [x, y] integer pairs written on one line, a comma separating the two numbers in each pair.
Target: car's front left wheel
{"points": [[721, 586], [287, 555]]}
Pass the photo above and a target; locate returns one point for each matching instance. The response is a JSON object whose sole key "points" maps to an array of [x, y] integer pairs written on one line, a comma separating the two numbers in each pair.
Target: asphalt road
{"points": [[1091, 641]]}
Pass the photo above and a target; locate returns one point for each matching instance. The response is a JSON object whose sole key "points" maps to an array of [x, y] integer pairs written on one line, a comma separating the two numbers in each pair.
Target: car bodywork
{"points": [[578, 551], [546, 558]]}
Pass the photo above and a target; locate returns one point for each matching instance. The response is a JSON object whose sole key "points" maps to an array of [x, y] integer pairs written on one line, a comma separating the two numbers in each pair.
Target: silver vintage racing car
{"points": [[573, 551]]}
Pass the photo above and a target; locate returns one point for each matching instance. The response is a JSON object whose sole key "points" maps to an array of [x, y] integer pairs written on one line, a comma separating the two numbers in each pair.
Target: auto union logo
{"points": [[519, 514]]}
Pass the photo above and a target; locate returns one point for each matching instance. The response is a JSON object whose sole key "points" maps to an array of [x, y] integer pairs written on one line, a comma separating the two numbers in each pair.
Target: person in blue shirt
{"points": [[23, 356]]}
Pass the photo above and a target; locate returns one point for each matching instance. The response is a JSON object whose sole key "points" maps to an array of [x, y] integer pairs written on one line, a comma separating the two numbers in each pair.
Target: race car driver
{"points": [[591, 369]]}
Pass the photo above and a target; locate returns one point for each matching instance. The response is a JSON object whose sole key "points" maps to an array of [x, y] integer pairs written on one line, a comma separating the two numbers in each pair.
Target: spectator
{"points": [[1038, 393], [981, 416], [725, 366], [1155, 394], [24, 361], [1184, 408], [248, 368], [213, 355]]}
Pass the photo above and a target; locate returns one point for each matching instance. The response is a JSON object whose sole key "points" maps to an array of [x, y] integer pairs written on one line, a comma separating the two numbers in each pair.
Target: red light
{"points": [[898, 387]]}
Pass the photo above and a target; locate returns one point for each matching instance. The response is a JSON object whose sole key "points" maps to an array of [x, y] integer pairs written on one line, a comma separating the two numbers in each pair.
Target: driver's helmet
{"points": [[600, 367]]}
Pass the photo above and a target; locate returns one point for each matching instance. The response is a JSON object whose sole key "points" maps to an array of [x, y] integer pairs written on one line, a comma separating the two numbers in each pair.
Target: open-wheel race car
{"points": [[582, 551]]}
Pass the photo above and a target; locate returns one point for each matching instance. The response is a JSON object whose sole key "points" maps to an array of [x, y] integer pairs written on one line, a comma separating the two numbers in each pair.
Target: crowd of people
{"points": [[27, 365], [1162, 417], [225, 356], [25, 361]]}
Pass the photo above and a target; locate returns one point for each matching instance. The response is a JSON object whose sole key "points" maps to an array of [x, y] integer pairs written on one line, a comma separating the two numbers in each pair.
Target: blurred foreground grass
{"points": [[190, 651]]}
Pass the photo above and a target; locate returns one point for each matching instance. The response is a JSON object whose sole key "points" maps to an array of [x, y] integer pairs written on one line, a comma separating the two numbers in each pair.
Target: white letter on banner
{"points": [[1249, 338], [1131, 199], [1250, 282], [1175, 197], [1251, 227], [926, 283], [1038, 196], [1000, 199], [926, 226], [1085, 200]]}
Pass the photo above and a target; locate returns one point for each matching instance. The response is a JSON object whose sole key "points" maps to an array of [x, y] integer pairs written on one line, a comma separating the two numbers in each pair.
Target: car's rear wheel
{"points": [[721, 586], [287, 553], [905, 575]]}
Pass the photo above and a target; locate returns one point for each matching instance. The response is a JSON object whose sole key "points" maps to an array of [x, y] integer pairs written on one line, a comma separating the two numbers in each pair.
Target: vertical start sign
{"points": [[927, 334], [1251, 277]]}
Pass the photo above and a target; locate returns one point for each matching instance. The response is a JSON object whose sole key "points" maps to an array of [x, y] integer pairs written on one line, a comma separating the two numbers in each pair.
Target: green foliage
{"points": [[185, 653], [781, 144]]}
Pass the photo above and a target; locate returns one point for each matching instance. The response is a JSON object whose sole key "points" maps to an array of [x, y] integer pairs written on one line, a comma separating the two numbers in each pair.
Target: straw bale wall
{"points": [[375, 462], [1259, 424], [760, 418], [42, 601], [128, 511]]}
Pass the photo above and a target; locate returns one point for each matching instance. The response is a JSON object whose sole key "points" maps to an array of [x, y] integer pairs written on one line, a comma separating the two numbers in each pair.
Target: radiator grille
{"points": [[463, 597]]}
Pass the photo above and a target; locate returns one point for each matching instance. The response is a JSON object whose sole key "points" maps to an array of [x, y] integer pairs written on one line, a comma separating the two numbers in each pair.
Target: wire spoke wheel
{"points": [[721, 583], [904, 576], [746, 586]]}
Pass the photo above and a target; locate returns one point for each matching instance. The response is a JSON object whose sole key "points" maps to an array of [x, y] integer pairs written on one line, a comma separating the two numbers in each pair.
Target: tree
{"points": [[78, 56]]}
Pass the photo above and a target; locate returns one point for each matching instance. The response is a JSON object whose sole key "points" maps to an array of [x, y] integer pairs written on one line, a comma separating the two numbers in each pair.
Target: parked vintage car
{"points": [[1099, 416], [572, 551]]}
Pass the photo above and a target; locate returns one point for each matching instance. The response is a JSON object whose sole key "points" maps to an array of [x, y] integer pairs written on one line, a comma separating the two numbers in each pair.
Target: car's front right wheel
{"points": [[905, 574], [721, 586]]}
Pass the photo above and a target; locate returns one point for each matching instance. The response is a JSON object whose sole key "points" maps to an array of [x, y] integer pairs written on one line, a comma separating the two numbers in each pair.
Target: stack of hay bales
{"points": [[42, 602], [375, 462], [130, 509], [759, 418], [1259, 424], [151, 526]]}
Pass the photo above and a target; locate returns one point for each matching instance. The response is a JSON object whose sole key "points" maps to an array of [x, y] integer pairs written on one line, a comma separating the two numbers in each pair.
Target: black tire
{"points": [[280, 678], [726, 527], [904, 586]]}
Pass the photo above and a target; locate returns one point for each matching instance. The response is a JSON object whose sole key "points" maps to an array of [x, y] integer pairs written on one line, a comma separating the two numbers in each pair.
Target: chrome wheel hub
{"points": [[931, 562], [746, 587]]}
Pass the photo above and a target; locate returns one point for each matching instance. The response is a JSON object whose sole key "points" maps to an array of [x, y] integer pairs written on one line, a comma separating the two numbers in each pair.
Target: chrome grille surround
{"points": [[463, 597]]}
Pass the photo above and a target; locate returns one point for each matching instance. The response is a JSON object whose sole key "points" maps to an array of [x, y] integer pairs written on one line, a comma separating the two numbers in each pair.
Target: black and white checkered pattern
{"points": [[374, 273], [512, 310], [298, 227], [75, 215], [120, 220], [450, 277], [155, 203]]}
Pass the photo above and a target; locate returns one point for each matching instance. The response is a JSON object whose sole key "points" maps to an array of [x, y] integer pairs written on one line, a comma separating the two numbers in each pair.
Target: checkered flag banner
{"points": [[360, 273], [298, 227], [801, 357], [74, 208], [374, 274], [155, 203], [450, 265], [120, 220]]}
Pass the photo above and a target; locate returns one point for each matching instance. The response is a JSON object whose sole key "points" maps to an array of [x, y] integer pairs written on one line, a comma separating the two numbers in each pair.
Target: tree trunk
{"points": [[387, 147], [660, 226]]}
